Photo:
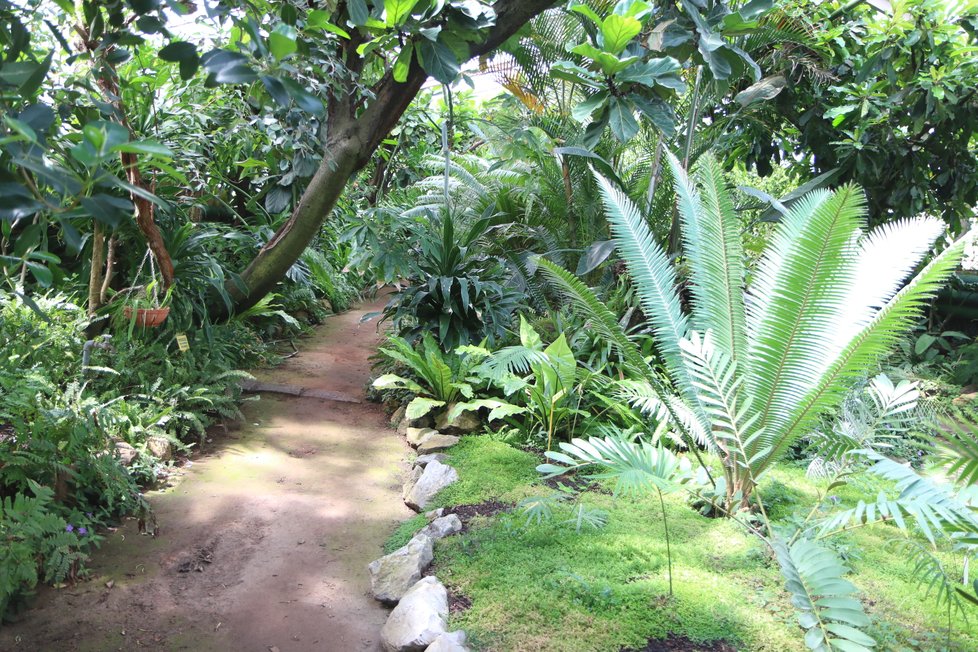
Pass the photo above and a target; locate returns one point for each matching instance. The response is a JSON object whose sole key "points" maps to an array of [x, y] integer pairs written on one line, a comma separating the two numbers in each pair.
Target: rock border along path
{"points": [[264, 542]]}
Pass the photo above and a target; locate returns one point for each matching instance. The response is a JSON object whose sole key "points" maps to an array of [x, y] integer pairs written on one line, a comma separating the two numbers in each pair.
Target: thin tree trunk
{"points": [[109, 271], [95, 274], [109, 84]]}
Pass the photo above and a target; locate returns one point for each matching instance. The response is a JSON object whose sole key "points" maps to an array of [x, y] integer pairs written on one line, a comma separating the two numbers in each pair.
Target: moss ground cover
{"points": [[547, 586]]}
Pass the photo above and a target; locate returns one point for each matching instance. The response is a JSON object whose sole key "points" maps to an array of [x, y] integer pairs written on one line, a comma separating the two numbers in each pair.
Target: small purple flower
{"points": [[88, 514], [69, 528], [82, 531]]}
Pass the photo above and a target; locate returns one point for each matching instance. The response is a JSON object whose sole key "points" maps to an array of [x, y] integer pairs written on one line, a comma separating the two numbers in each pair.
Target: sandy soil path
{"points": [[263, 543]]}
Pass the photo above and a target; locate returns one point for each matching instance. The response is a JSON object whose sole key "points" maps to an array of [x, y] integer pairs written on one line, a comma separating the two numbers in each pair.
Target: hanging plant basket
{"points": [[148, 317]]}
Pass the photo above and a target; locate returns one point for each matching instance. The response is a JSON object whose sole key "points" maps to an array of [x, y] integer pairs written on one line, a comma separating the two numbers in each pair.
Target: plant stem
{"points": [[665, 528]]}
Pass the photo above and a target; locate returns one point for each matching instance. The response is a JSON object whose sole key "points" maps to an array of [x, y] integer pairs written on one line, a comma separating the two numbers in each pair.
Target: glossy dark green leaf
{"points": [[359, 13], [107, 209], [303, 98], [17, 202], [621, 118], [178, 51], [438, 61], [277, 90]]}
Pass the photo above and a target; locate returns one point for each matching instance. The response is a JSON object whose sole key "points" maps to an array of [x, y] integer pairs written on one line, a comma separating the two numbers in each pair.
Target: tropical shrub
{"points": [[754, 370], [457, 292]]}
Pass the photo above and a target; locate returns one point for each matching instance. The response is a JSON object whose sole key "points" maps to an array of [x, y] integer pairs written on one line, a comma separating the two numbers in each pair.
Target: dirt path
{"points": [[263, 543]]}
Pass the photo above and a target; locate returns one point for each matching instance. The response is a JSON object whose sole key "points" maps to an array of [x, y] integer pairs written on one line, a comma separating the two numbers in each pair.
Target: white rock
{"points": [[397, 416], [392, 575], [442, 527], [436, 442], [417, 436], [435, 513], [424, 459], [418, 619], [412, 480], [435, 477], [125, 452], [451, 642]]}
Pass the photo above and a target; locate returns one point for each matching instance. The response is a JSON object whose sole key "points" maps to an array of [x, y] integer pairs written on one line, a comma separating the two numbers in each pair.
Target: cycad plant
{"points": [[755, 365]]}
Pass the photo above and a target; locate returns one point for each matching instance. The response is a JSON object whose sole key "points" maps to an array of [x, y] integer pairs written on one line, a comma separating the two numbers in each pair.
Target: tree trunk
{"points": [[353, 138]]}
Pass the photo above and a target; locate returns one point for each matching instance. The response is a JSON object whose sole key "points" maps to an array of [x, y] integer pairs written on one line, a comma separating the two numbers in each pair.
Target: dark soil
{"points": [[466, 513], [682, 644], [573, 483], [457, 602]]}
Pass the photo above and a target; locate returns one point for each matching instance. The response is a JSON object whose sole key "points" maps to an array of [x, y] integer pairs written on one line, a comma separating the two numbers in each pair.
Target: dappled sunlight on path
{"points": [[264, 542]]}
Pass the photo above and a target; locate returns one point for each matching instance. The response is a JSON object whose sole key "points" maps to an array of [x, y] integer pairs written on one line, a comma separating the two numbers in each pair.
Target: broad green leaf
{"points": [[178, 51], [438, 60], [282, 43], [359, 13], [393, 381], [403, 63], [623, 124], [584, 10], [397, 11], [617, 31], [421, 406]]}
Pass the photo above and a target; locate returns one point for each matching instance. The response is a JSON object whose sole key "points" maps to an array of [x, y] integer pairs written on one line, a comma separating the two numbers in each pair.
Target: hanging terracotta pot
{"points": [[148, 317]]}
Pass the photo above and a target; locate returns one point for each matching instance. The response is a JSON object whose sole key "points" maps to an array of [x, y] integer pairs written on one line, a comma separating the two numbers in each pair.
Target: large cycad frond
{"points": [[871, 343], [654, 277], [711, 231], [795, 303]]}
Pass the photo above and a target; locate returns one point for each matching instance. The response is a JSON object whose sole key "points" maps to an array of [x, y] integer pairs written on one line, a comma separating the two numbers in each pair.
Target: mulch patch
{"points": [[573, 483], [457, 602], [681, 644], [488, 508]]}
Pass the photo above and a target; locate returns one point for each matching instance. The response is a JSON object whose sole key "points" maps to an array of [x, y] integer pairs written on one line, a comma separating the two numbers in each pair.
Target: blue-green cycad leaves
{"points": [[824, 601], [826, 301]]}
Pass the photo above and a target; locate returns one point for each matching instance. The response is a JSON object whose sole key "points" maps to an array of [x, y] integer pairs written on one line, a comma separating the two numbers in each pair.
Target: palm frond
{"points": [[824, 600], [635, 466], [960, 451], [872, 342], [716, 256], [795, 302], [654, 277]]}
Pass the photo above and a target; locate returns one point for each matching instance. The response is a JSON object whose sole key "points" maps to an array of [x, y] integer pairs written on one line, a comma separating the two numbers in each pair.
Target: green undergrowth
{"points": [[548, 586]]}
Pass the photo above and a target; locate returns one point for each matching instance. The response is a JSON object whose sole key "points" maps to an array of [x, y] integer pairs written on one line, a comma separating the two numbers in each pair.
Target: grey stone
{"points": [[418, 619], [436, 476], [424, 421], [437, 442], [450, 642], [125, 452], [398, 416], [442, 527], [412, 480], [392, 575], [430, 457], [160, 447], [417, 436], [435, 513], [463, 424]]}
